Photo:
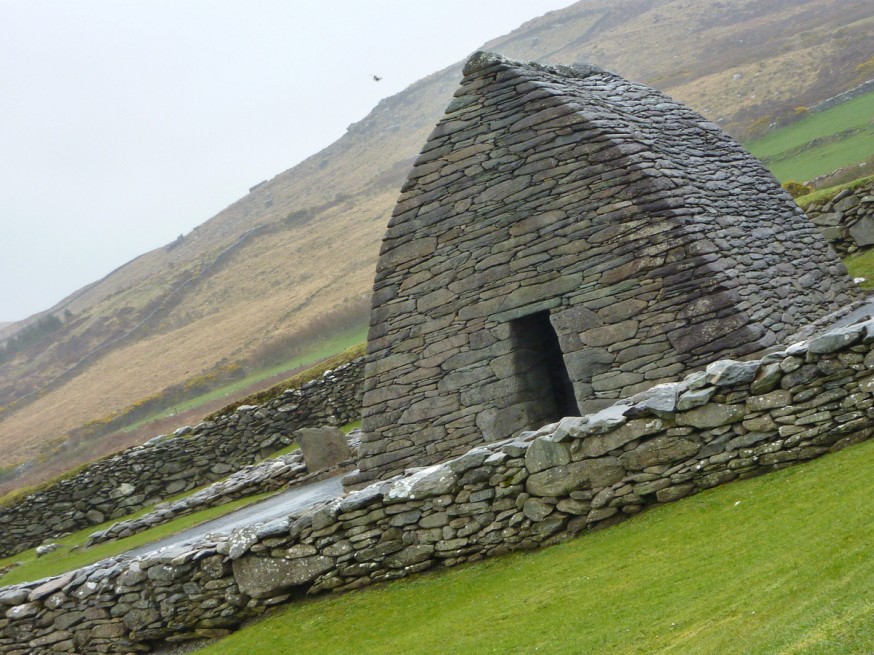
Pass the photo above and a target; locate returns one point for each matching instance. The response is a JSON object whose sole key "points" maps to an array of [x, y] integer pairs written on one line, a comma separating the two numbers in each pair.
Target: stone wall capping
{"points": [[659, 400], [727, 373], [836, 339], [606, 419], [285, 471], [798, 349], [362, 498], [567, 428]]}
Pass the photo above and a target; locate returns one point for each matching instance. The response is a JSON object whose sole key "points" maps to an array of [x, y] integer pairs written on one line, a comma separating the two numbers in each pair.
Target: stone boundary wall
{"points": [[144, 475], [847, 219], [284, 471], [269, 475], [732, 421], [841, 98]]}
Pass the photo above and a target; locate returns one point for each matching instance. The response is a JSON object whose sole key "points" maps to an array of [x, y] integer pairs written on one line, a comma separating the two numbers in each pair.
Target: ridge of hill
{"points": [[304, 243]]}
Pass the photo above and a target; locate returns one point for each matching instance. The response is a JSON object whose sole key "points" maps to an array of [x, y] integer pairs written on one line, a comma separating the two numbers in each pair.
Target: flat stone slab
{"points": [[262, 577], [323, 448]]}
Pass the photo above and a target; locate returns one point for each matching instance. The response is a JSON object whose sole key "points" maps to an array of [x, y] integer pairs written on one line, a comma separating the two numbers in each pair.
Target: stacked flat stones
{"points": [[144, 475], [846, 220], [653, 240], [268, 475], [731, 421], [291, 470]]}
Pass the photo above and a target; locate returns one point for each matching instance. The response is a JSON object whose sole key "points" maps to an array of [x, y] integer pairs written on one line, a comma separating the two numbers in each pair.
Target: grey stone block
{"points": [[262, 577], [544, 453], [323, 448], [660, 450], [711, 415]]}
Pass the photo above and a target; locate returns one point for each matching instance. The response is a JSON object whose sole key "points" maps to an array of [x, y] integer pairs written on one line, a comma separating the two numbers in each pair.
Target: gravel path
{"points": [[282, 504]]}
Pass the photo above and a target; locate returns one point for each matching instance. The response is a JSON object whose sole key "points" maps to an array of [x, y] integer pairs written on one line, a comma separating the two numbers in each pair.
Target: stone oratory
{"points": [[566, 238]]}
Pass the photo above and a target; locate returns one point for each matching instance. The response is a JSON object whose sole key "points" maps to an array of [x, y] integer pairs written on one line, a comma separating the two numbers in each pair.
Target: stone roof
{"points": [[569, 205]]}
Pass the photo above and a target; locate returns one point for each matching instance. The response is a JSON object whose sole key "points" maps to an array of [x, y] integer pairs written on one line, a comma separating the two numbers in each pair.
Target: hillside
{"points": [[305, 242]]}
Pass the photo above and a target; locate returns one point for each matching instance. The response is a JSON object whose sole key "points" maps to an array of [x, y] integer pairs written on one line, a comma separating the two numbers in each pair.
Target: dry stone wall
{"points": [[862, 89], [731, 421], [268, 475], [293, 469], [847, 219], [144, 475], [572, 203]]}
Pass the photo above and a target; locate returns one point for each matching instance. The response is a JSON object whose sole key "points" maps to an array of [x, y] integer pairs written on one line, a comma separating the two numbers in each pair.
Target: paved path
{"points": [[283, 504]]}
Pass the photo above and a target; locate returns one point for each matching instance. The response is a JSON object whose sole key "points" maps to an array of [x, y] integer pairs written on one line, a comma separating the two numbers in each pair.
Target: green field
{"points": [[780, 564], [820, 143], [862, 265]]}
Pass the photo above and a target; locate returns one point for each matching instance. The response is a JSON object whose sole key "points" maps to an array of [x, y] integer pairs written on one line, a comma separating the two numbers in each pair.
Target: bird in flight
{"points": [[376, 78]]}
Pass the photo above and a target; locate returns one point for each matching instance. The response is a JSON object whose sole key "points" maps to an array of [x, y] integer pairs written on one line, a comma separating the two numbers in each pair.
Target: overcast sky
{"points": [[124, 123]]}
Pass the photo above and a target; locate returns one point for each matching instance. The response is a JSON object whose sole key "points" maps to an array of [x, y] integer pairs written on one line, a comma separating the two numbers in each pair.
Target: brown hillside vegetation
{"points": [[306, 241]]}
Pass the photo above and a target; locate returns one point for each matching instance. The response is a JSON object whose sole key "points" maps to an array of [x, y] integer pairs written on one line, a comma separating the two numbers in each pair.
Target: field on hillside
{"points": [[333, 353], [821, 142], [780, 564]]}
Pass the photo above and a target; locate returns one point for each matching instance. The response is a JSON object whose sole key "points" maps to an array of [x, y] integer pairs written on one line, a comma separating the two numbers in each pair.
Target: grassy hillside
{"points": [[827, 193], [305, 242], [779, 564], [821, 142]]}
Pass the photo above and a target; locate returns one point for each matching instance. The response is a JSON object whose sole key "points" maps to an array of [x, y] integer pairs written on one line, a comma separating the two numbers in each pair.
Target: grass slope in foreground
{"points": [[820, 143], [780, 564]]}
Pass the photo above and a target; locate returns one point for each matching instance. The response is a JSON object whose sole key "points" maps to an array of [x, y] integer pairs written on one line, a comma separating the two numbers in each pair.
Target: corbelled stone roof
{"points": [[569, 206]]}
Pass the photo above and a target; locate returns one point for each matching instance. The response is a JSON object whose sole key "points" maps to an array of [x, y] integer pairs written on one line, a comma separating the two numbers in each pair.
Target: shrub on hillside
{"points": [[797, 189], [31, 335]]}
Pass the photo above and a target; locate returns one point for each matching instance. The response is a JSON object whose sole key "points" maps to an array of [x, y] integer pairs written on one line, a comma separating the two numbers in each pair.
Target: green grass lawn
{"points": [[780, 564], [71, 555], [820, 143], [831, 192], [862, 265]]}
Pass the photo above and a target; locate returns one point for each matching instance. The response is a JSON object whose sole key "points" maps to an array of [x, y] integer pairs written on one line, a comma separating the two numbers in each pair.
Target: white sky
{"points": [[124, 123]]}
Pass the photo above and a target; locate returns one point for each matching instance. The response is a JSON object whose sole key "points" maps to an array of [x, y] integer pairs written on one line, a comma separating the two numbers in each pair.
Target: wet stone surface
{"points": [[569, 201]]}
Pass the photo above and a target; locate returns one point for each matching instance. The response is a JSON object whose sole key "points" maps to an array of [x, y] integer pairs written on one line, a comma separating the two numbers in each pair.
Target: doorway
{"points": [[540, 359]]}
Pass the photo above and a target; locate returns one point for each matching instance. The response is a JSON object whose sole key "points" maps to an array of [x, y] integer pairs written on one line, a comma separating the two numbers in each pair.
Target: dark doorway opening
{"points": [[540, 359]]}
